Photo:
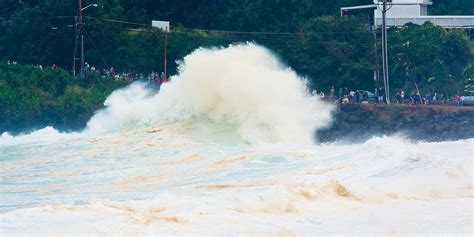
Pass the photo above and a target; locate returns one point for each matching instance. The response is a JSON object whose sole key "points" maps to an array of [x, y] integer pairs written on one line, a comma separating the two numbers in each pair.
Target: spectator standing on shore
{"points": [[428, 98], [163, 78], [376, 95], [435, 98], [149, 78], [412, 98], [340, 93], [402, 96], [381, 94], [399, 97], [457, 99], [158, 80], [321, 95], [417, 98], [331, 92]]}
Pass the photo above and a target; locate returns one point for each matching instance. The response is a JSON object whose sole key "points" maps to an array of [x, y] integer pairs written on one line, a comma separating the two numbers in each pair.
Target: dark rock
{"points": [[355, 122]]}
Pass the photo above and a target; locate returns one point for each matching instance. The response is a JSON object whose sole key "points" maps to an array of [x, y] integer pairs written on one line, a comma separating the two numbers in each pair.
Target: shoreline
{"points": [[359, 122]]}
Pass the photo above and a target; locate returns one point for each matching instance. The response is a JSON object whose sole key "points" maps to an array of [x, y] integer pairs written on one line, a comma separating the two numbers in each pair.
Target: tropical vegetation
{"points": [[308, 35]]}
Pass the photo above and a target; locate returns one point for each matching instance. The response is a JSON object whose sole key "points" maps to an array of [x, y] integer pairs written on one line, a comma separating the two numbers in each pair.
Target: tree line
{"points": [[318, 43]]}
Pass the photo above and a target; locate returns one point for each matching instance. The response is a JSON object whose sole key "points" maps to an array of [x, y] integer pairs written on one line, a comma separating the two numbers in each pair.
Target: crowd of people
{"points": [[341, 96], [350, 96], [152, 78], [416, 98]]}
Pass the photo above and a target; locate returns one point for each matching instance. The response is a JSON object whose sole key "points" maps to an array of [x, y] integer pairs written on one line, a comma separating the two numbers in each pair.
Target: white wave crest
{"points": [[47, 134], [243, 87]]}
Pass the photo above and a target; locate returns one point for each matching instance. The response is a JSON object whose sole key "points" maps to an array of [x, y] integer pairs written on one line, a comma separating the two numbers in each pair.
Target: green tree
{"points": [[429, 56], [31, 97], [333, 52]]}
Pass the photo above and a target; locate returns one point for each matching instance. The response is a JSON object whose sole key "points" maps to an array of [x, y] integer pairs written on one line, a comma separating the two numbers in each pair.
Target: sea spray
{"points": [[243, 88], [126, 108]]}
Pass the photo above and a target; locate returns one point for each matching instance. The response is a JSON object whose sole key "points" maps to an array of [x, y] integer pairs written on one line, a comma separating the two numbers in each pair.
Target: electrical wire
{"points": [[224, 31], [232, 38], [88, 36]]}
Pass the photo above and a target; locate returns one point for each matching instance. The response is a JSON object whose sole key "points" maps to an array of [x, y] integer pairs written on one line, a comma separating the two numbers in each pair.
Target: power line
{"points": [[118, 21], [184, 30], [234, 38], [98, 51], [287, 37], [272, 40], [227, 31]]}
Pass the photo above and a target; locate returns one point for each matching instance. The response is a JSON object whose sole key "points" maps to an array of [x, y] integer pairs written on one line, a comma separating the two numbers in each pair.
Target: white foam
{"points": [[47, 134], [243, 87], [150, 183]]}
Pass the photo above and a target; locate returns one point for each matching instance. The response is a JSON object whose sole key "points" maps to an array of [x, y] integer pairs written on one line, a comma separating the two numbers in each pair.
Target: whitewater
{"points": [[228, 147]]}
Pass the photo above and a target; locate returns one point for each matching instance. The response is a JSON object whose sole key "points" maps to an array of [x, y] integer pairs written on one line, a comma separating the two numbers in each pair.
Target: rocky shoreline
{"points": [[359, 122]]}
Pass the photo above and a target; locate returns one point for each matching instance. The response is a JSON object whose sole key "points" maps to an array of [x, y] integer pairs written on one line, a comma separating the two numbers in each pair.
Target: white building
{"points": [[413, 8], [414, 11]]}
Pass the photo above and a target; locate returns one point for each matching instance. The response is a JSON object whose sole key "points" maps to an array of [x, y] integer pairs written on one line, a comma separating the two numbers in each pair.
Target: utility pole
{"points": [[385, 8], [165, 27], [81, 32]]}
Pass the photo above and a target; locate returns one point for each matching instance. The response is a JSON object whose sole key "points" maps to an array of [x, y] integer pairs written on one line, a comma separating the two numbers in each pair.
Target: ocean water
{"points": [[227, 148]]}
